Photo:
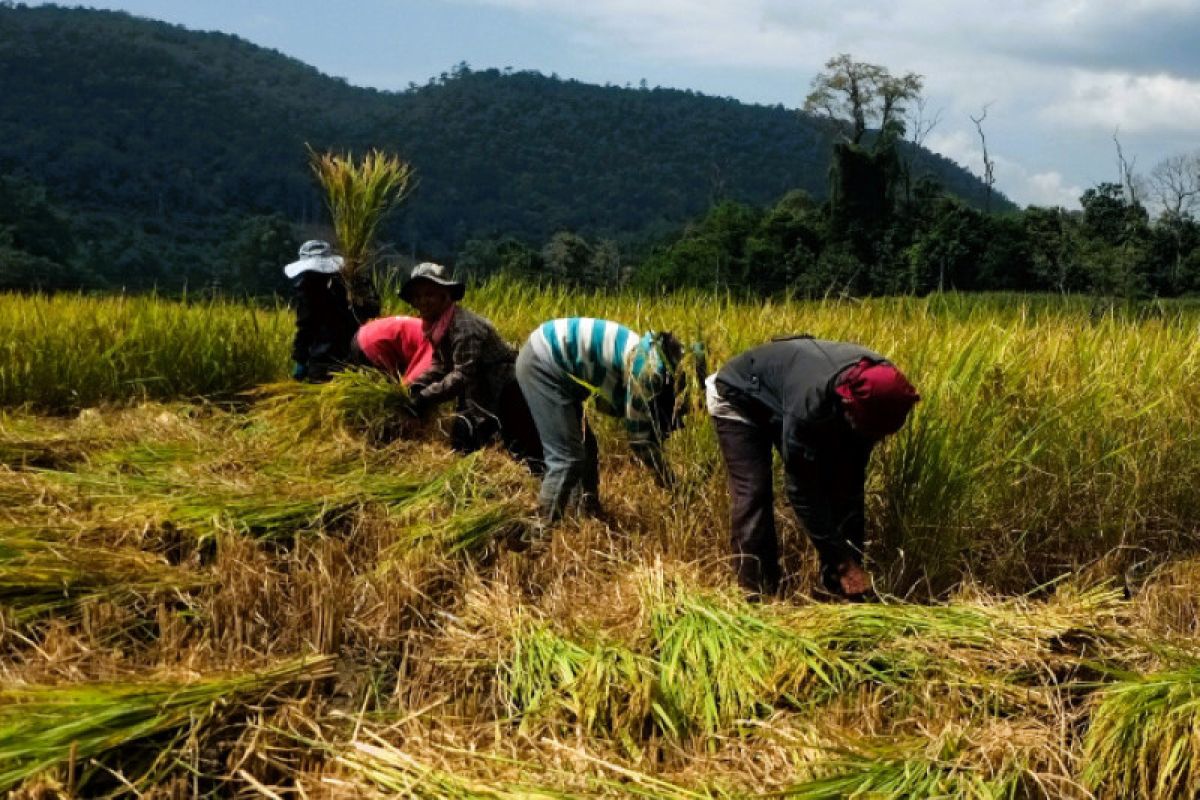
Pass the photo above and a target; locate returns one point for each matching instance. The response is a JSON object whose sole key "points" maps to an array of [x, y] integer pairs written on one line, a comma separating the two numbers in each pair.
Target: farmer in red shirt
{"points": [[396, 345]]}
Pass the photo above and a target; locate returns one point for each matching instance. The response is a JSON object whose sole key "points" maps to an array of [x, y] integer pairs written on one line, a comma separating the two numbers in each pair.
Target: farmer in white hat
{"points": [[327, 315], [472, 365]]}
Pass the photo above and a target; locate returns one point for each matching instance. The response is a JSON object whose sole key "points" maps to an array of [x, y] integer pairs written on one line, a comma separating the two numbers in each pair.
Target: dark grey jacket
{"points": [[473, 364], [787, 387]]}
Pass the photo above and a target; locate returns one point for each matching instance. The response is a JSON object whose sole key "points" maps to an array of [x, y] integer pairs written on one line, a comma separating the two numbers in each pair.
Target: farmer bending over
{"points": [[566, 361], [472, 365], [824, 405], [395, 345], [327, 315]]}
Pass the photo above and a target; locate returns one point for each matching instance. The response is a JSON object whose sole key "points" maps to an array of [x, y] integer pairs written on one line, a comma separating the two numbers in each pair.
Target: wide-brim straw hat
{"points": [[434, 273], [315, 256]]}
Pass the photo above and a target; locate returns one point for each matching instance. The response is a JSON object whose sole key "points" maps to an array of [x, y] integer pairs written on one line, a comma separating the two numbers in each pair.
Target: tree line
{"points": [[113, 176], [161, 147]]}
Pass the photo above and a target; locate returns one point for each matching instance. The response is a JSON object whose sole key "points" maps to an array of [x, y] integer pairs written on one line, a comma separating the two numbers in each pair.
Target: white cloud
{"points": [[1133, 103], [1061, 75], [1047, 189], [1021, 183]]}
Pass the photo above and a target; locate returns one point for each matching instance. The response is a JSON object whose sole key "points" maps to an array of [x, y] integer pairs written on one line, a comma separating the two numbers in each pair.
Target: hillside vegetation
{"points": [[162, 145]]}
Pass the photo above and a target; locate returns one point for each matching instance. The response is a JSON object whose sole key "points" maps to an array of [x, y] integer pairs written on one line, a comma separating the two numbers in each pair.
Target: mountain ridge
{"points": [[164, 128]]}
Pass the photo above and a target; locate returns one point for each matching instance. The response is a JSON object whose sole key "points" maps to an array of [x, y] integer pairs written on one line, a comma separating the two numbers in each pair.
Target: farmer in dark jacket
{"points": [[824, 405], [327, 317], [472, 365]]}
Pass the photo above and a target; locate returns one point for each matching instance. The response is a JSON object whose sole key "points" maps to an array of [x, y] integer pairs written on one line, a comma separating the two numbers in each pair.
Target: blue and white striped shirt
{"points": [[624, 370]]}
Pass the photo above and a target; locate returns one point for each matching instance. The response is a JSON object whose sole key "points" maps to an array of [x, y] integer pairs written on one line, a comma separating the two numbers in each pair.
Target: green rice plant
{"points": [[598, 686], [40, 575], [363, 401], [721, 661], [89, 725], [1143, 737], [359, 195], [66, 352], [909, 771]]}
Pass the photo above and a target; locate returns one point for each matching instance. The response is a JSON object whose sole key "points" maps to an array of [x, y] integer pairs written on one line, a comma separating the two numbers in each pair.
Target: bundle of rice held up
{"points": [[364, 402]]}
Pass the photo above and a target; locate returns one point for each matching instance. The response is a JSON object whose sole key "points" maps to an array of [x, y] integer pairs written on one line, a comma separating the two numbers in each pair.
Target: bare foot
{"points": [[854, 579]]}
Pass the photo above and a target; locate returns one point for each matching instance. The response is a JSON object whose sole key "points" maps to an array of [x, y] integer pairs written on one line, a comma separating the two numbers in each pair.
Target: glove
{"points": [[299, 371], [417, 401]]}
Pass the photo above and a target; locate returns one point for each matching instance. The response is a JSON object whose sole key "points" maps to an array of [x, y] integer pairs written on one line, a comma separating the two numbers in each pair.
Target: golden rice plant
{"points": [[67, 352], [359, 194]]}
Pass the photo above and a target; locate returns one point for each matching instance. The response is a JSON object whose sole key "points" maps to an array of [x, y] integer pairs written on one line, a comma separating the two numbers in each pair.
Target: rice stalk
{"points": [[901, 772], [40, 576], [42, 727], [1143, 739], [367, 402]]}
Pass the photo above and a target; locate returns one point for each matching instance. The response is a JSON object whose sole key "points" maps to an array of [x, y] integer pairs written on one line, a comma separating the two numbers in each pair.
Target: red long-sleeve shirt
{"points": [[396, 345]]}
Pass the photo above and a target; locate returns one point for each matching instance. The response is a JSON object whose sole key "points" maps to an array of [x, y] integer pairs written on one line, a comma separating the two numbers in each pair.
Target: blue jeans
{"points": [[569, 446]]}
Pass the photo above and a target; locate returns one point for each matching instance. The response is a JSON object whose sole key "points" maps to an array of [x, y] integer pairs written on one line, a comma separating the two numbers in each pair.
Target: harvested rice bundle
{"points": [[365, 402], [1144, 737], [598, 686], [100, 727], [917, 770], [359, 195], [40, 575]]}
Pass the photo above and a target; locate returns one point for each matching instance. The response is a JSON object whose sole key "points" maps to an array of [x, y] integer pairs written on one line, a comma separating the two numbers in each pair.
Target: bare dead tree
{"points": [[989, 166], [1175, 182], [920, 122], [1128, 178]]}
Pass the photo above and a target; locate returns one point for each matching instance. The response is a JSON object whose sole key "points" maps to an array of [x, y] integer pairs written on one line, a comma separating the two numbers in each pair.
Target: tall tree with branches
{"points": [[864, 95]]}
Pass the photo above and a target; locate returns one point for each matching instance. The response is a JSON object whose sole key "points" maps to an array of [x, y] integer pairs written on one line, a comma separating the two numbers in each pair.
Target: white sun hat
{"points": [[315, 256]]}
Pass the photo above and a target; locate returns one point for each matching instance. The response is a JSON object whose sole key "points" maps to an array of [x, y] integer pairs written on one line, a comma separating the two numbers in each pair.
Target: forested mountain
{"points": [[158, 143]]}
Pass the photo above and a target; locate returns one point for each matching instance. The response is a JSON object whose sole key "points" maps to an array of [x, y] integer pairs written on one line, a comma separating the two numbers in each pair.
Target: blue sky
{"points": [[1059, 78]]}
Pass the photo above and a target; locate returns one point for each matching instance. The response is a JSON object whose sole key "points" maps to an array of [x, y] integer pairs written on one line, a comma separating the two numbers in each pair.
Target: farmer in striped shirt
{"points": [[632, 376]]}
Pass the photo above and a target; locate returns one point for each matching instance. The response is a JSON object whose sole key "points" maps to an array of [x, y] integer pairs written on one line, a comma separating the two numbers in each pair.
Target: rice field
{"points": [[217, 583]]}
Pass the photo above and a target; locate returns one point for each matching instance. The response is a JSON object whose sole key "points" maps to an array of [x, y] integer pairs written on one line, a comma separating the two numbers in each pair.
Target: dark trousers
{"points": [[512, 421], [747, 452]]}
